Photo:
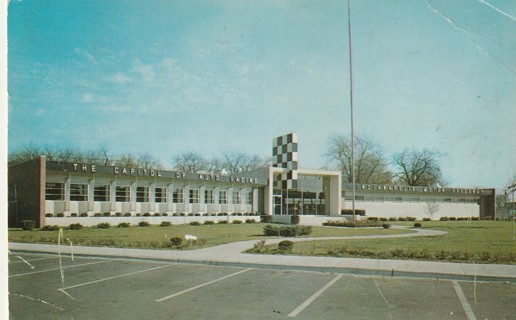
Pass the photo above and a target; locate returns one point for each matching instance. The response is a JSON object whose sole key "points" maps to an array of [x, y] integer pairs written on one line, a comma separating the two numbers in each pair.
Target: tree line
{"points": [[407, 167], [187, 161]]}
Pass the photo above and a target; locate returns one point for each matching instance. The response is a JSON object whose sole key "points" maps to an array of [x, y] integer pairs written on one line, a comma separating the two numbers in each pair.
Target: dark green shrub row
{"points": [[417, 225], [143, 224], [386, 226], [124, 225], [104, 225], [195, 223], [209, 222], [75, 226], [165, 224], [28, 225], [237, 222], [459, 218], [249, 221], [49, 228], [222, 222], [358, 212], [351, 223], [286, 231]]}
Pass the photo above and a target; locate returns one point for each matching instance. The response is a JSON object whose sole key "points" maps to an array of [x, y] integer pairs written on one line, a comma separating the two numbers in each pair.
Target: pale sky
{"points": [[162, 77]]}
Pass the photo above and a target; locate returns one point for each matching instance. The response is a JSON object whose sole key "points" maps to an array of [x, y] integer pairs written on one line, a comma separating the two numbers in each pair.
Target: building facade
{"points": [[47, 191]]}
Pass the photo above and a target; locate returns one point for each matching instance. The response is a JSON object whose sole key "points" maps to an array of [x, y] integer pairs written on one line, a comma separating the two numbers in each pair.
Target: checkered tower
{"points": [[284, 155]]}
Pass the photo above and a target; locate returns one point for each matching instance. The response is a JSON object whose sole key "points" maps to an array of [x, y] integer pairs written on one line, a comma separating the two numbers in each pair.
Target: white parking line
{"points": [[463, 301], [48, 270], [202, 285], [11, 262], [115, 277], [313, 297]]}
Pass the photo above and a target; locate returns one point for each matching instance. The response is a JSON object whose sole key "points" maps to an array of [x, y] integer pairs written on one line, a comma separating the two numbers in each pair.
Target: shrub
{"points": [[143, 224], [266, 218], [411, 219], [393, 219], [107, 214], [295, 219], [303, 230], [28, 225], [453, 219], [157, 214], [442, 255], [372, 219], [104, 225], [84, 214], [259, 246], [209, 222], [222, 222], [49, 215], [165, 214], [124, 225], [165, 224], [402, 219], [286, 246], [60, 215], [190, 214], [75, 226], [73, 214], [195, 223], [417, 225], [197, 214], [97, 214], [386, 226], [427, 219], [138, 215], [49, 228], [118, 214], [146, 214], [176, 241], [271, 230], [383, 219], [127, 214], [443, 219], [249, 221], [287, 232], [358, 212], [236, 222], [475, 218]]}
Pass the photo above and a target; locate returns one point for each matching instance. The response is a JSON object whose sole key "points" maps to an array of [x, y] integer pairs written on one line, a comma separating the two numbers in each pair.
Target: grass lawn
{"points": [[159, 237], [474, 241]]}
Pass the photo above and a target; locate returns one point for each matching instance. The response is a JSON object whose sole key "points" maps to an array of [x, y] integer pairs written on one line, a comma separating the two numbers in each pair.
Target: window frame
{"points": [[126, 196], [142, 194], [55, 196], [79, 192], [103, 195], [162, 197]]}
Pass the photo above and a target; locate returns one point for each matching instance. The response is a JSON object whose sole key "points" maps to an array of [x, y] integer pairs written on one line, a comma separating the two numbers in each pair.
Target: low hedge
{"points": [[286, 231], [358, 212]]}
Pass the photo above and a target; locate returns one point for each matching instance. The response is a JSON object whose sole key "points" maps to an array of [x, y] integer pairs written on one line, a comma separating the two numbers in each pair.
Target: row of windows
{"points": [[408, 199], [79, 192]]}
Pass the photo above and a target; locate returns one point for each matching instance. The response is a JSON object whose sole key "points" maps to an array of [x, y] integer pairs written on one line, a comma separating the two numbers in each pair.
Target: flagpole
{"points": [[351, 107]]}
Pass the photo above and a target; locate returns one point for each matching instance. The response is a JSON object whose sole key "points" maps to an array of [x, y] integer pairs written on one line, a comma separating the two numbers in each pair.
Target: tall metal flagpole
{"points": [[351, 107]]}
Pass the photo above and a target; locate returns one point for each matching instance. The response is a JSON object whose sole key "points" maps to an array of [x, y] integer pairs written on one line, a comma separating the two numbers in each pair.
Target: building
{"points": [[63, 193]]}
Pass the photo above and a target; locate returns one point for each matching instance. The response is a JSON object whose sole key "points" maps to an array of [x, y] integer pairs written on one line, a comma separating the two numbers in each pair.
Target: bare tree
{"points": [[418, 168], [27, 153], [370, 164], [214, 166], [189, 161], [235, 162], [146, 161], [126, 160]]}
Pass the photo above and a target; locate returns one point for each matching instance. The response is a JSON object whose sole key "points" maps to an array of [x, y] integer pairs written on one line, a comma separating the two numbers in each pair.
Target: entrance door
{"points": [[278, 210]]}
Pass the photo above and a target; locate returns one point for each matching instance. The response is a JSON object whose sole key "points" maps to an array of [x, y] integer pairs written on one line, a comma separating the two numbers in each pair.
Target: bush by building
{"points": [[49, 228], [104, 225], [266, 218], [165, 224], [124, 225], [75, 226], [285, 246], [143, 224], [358, 212], [176, 241], [28, 225]]}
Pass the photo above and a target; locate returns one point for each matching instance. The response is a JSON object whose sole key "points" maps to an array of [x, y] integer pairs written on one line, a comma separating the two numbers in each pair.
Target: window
{"points": [[368, 198], [177, 196], [123, 194], [101, 193], [223, 197], [160, 195], [78, 192], [208, 196], [236, 197], [194, 196], [13, 193], [142, 194], [249, 198], [54, 191]]}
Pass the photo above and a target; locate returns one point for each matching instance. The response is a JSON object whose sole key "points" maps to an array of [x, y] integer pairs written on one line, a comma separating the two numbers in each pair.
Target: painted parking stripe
{"points": [[48, 270], [202, 285], [313, 297], [115, 277], [30, 260], [463, 301]]}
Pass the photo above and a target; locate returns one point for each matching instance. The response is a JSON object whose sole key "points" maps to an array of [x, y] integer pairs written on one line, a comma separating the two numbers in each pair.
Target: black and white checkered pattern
{"points": [[284, 155]]}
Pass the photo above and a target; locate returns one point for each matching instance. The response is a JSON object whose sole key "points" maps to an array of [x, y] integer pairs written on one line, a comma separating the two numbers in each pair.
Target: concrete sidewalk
{"points": [[232, 254]]}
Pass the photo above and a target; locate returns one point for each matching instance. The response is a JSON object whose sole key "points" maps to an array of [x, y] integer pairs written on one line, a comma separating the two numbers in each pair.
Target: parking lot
{"points": [[47, 287]]}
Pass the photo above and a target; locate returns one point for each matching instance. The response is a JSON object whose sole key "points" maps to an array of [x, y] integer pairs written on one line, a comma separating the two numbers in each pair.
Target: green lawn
{"points": [[159, 237], [475, 241]]}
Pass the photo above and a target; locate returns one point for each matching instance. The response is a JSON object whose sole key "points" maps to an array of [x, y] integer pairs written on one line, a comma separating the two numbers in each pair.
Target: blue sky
{"points": [[162, 77]]}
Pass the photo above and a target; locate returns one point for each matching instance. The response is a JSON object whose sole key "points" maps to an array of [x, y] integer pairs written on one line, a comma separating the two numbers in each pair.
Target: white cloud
{"points": [[119, 78]]}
